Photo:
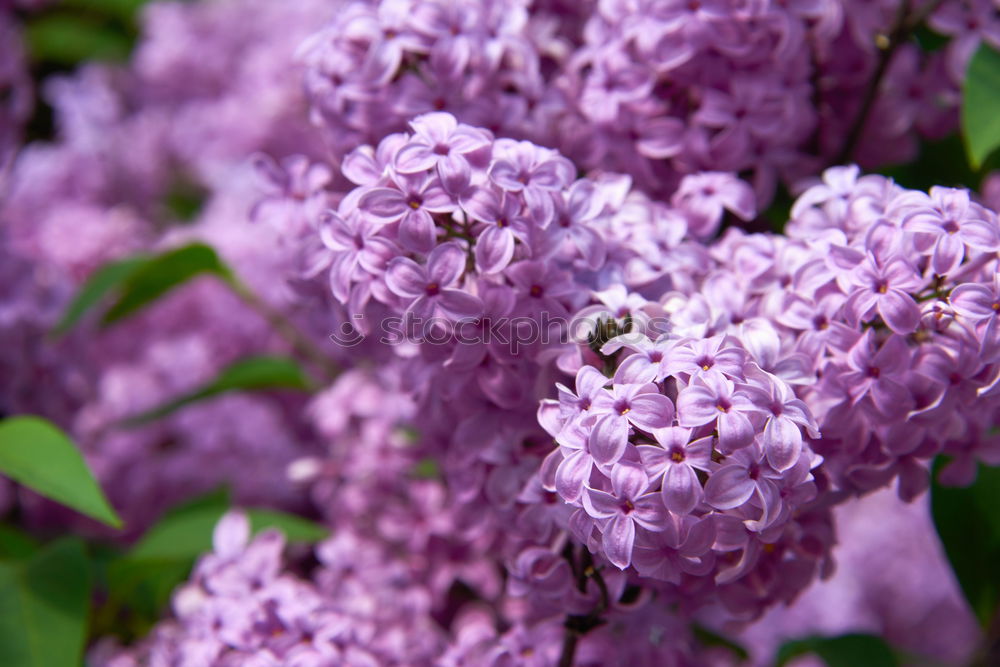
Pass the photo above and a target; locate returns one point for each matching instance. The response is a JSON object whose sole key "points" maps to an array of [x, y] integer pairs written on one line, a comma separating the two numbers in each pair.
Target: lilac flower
{"points": [[440, 142], [977, 302], [682, 547], [879, 374], [817, 322], [650, 361], [541, 287], [638, 405], [430, 287], [745, 475], [574, 471], [505, 225], [782, 436], [705, 197], [950, 221], [537, 173], [885, 288], [590, 384], [366, 165], [715, 399], [708, 356], [980, 304], [628, 504], [573, 222], [357, 249], [677, 459], [413, 205]]}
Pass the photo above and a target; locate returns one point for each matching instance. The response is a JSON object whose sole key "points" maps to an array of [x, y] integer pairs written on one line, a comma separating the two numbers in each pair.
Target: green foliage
{"points": [[185, 199], [66, 39], [161, 274], [854, 650], [15, 543], [121, 9], [136, 282], [253, 374], [941, 162], [39, 455], [981, 105], [969, 526], [140, 581], [97, 287], [43, 607], [707, 637], [780, 210]]}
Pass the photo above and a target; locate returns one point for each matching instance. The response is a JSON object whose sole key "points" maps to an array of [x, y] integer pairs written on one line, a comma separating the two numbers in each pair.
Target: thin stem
{"points": [[579, 625], [568, 653], [300, 343], [902, 30]]}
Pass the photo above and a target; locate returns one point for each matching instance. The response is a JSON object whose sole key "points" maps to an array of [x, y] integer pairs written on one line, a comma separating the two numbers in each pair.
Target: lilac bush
{"points": [[581, 330]]}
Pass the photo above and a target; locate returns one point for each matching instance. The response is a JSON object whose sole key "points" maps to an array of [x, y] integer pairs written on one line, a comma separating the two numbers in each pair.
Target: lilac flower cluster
{"points": [[907, 362], [690, 461], [242, 607], [775, 90], [378, 64], [445, 199], [449, 227]]}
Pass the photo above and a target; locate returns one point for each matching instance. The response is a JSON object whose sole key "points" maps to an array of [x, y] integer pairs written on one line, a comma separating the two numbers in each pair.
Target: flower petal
{"points": [[406, 278], [608, 439], [617, 540], [899, 311], [681, 490], [572, 474], [782, 443], [651, 411], [458, 305], [417, 231], [730, 486], [494, 249], [383, 203]]}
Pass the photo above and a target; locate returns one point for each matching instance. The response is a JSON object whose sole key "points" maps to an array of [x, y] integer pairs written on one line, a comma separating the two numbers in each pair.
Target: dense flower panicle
{"points": [[867, 311], [654, 484], [565, 403], [242, 606], [656, 90]]}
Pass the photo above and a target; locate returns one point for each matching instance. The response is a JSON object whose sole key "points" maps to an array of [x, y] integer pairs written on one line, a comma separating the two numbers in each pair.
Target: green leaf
{"points": [[707, 637], [940, 162], [184, 199], [43, 607], [162, 273], [121, 9], [981, 105], [37, 454], [969, 526], [15, 543], [295, 528], [98, 285], [253, 374], [186, 534], [843, 651], [68, 39]]}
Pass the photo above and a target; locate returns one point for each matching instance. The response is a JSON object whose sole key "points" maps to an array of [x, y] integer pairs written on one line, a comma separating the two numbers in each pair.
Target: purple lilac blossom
{"points": [[759, 381]]}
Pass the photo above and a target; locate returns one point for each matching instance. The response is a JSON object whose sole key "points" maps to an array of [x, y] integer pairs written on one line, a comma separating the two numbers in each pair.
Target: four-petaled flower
{"points": [[430, 286]]}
